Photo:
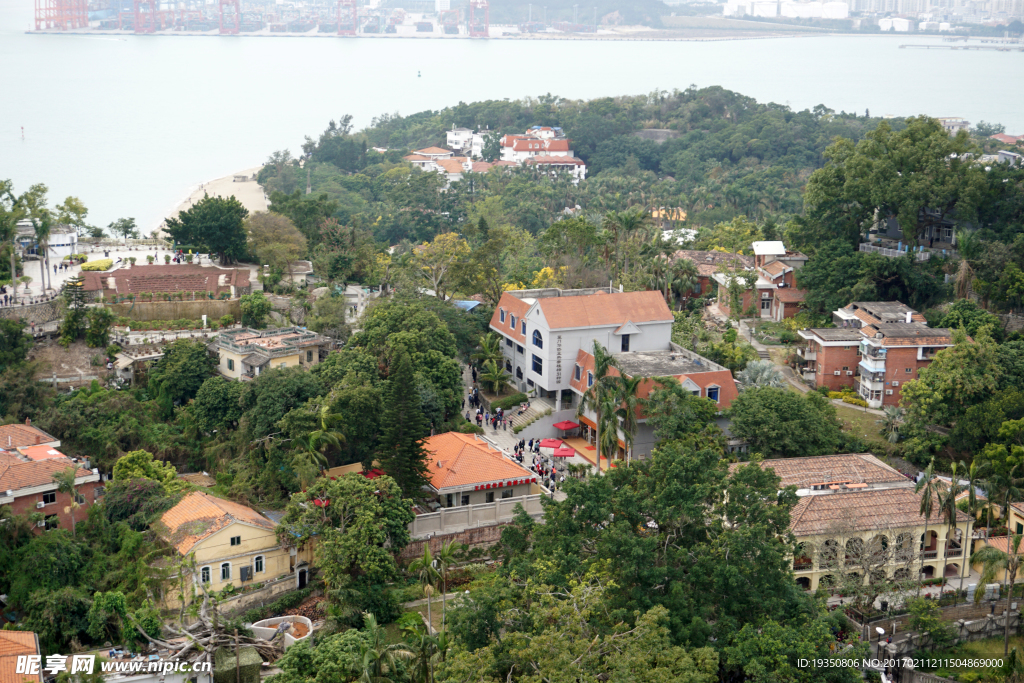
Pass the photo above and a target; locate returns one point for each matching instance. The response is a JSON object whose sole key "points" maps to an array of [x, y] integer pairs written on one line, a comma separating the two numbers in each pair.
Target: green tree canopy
{"points": [[214, 223], [177, 377], [779, 423]]}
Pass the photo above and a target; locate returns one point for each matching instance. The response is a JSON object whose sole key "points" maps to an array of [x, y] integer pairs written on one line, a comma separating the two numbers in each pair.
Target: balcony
{"points": [[806, 353], [930, 554], [870, 351], [802, 564]]}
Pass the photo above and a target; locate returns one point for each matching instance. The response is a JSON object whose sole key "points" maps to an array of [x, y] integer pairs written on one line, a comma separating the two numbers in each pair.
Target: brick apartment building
{"points": [[28, 460], [875, 347]]}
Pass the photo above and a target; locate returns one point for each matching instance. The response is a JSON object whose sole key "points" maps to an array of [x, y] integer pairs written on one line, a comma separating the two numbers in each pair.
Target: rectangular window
{"points": [[309, 356], [259, 564], [283, 364], [590, 379], [204, 575], [236, 540], [513, 325], [519, 349], [529, 382], [49, 498], [625, 342], [846, 367], [489, 497], [507, 493], [713, 394], [231, 364], [1020, 528], [225, 571], [910, 370], [508, 343], [465, 499], [502, 314], [524, 328], [52, 522], [448, 500], [578, 373], [538, 365]]}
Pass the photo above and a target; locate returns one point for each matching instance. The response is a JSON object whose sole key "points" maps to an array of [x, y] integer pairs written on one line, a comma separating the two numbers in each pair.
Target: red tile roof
{"points": [[457, 460], [41, 452], [199, 515], [544, 160], [436, 151], [19, 436], [512, 306], [482, 166], [1007, 139], [883, 509], [16, 474], [450, 165], [858, 468], [788, 295], [12, 645], [775, 268], [708, 262]]}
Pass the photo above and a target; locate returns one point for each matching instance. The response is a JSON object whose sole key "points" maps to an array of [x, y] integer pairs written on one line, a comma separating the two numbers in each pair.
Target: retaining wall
{"points": [[213, 309], [45, 312], [459, 519], [271, 589]]}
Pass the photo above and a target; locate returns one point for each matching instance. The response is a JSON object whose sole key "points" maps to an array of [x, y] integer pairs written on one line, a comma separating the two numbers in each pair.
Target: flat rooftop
{"points": [[885, 311], [665, 363], [912, 330], [837, 333]]}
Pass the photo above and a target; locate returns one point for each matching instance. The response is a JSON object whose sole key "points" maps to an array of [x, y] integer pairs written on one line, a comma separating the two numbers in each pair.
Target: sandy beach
{"points": [[248, 192]]}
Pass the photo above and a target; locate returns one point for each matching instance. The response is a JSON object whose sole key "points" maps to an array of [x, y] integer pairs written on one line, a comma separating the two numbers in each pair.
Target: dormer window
{"points": [[501, 314], [524, 328], [513, 325], [590, 379], [578, 373]]}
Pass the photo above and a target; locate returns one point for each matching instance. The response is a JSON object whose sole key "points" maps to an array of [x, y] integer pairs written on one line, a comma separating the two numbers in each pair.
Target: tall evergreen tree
{"points": [[401, 452]]}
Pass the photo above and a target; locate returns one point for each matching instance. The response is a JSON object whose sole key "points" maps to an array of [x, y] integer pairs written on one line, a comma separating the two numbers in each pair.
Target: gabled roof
{"points": [[481, 166], [19, 435], [199, 515], [547, 159], [16, 474], [41, 452], [457, 460], [450, 165], [601, 309], [14, 644], [709, 261], [512, 306], [852, 511], [858, 468], [437, 151], [775, 269]]}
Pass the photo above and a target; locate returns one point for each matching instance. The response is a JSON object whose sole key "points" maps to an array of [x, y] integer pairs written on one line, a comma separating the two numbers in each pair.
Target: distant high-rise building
{"points": [[442, 5]]}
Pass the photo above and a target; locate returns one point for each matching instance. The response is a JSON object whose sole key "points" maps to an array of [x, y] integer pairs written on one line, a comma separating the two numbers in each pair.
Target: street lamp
{"points": [[878, 650]]}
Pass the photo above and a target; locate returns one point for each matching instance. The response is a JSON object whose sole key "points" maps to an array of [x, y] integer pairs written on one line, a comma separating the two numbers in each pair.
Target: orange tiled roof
{"points": [[865, 317], [895, 508], [482, 166], [19, 436], [13, 644], [708, 261], [17, 474], [416, 157], [999, 543], [512, 306], [596, 310], [434, 150], [450, 165], [775, 268], [41, 452], [199, 515], [457, 460]]}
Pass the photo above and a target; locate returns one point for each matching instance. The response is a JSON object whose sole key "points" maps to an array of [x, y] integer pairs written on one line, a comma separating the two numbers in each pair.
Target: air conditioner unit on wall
{"points": [[41, 525], [888, 392], [836, 373], [895, 384], [40, 505], [849, 373]]}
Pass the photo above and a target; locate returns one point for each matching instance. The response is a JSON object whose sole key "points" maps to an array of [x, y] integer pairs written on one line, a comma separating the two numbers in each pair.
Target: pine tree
{"points": [[401, 453]]}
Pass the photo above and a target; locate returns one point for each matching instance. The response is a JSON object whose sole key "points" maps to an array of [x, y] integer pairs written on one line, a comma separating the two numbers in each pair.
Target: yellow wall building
{"points": [[243, 354], [224, 543]]}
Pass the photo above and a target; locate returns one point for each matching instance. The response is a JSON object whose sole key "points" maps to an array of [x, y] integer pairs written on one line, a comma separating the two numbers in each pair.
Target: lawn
{"points": [[863, 425], [435, 613], [990, 648]]}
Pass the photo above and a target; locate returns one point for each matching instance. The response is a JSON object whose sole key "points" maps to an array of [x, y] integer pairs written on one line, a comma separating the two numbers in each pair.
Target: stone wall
{"points": [[1012, 323], [458, 519], [988, 626], [178, 310], [46, 312], [964, 611], [481, 537], [270, 591]]}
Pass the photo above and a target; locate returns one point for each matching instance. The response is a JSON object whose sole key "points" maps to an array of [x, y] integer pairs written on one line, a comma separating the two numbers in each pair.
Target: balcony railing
{"points": [[895, 253], [954, 552], [802, 565], [806, 354], [930, 554]]}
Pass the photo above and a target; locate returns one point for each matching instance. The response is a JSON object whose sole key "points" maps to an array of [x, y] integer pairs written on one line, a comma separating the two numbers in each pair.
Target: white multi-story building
{"points": [[544, 330]]}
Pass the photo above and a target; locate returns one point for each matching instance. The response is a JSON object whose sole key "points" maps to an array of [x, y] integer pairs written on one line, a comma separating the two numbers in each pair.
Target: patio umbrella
{"points": [[564, 452], [550, 443], [565, 425]]}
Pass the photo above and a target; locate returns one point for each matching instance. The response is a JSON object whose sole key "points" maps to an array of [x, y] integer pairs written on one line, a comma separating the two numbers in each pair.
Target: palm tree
{"points": [[428, 575], [629, 405], [624, 225], [947, 504], [760, 373], [378, 660], [311, 457], [685, 277], [490, 349], [493, 375], [973, 480], [892, 422], [326, 436], [423, 646], [596, 398], [930, 485], [42, 227], [994, 560], [445, 560], [66, 484]]}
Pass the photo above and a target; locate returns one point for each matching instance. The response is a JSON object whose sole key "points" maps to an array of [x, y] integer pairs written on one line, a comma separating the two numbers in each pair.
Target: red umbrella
{"points": [[565, 424], [564, 452], [550, 443]]}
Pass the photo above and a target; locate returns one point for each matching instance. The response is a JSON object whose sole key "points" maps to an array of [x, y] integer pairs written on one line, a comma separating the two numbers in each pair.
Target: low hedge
{"points": [[855, 401], [102, 264], [508, 402]]}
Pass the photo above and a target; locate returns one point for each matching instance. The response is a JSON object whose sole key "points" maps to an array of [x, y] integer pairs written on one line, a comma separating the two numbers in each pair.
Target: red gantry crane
{"points": [[230, 17], [348, 19], [479, 19], [147, 16], [61, 15]]}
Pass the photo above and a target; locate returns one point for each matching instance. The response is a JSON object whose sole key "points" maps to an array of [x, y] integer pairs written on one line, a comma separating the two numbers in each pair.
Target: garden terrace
{"points": [[168, 279]]}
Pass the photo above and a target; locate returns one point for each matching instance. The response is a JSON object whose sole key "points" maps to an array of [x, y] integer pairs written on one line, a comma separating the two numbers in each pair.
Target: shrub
{"points": [[835, 394], [855, 401], [470, 428], [167, 259], [508, 401], [102, 264], [149, 258], [227, 320]]}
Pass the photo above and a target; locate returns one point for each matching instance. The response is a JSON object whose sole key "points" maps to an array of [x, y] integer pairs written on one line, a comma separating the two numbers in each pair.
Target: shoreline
{"points": [[249, 193]]}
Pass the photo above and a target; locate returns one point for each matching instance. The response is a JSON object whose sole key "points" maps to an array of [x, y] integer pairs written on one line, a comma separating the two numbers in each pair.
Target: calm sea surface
{"points": [[129, 124]]}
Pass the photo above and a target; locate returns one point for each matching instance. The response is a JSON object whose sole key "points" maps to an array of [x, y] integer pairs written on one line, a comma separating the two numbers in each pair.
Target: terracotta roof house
{"points": [[543, 329], [15, 644], [229, 543], [244, 353], [27, 485], [710, 262], [463, 469], [168, 279], [698, 375], [774, 293], [875, 346], [829, 473], [21, 435]]}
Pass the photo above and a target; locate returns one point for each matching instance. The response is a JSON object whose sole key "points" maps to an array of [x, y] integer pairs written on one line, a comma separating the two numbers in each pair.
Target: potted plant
{"points": [[167, 259], [188, 257], [132, 259], [149, 259]]}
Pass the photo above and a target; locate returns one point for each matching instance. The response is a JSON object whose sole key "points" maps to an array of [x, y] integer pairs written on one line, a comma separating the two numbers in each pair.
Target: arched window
{"points": [[538, 340], [519, 372], [204, 575], [259, 564], [508, 365], [225, 571]]}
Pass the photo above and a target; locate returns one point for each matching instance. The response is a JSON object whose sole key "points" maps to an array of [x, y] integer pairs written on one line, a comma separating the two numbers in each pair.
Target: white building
{"points": [[897, 24], [459, 139], [63, 241], [544, 330]]}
